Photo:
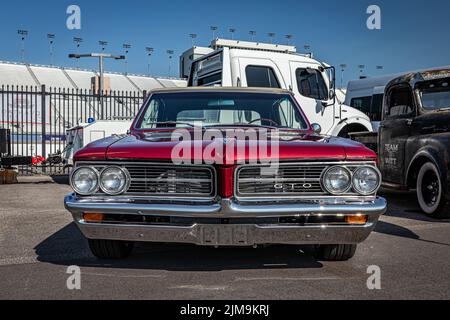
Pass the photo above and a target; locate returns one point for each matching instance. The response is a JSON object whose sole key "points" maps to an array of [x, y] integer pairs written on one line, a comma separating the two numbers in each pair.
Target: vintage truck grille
{"points": [[287, 180], [162, 180]]}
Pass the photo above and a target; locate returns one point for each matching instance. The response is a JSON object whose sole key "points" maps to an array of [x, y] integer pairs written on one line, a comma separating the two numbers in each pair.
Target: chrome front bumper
{"points": [[227, 234]]}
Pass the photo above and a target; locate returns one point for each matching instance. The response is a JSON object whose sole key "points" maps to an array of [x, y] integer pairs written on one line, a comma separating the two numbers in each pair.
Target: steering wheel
{"points": [[265, 119]]}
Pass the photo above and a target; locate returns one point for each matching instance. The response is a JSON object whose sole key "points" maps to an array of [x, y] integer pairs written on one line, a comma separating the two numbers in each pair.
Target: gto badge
{"points": [[292, 186]]}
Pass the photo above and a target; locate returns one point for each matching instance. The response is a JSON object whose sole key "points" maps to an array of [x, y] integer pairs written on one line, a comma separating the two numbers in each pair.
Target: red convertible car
{"points": [[225, 167]]}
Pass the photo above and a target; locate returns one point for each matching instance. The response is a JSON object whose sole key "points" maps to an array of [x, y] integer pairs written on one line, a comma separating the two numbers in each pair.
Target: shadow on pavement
{"points": [[69, 247]]}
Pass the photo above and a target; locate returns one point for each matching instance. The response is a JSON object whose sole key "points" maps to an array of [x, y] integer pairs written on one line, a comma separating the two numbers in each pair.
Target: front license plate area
{"points": [[224, 235]]}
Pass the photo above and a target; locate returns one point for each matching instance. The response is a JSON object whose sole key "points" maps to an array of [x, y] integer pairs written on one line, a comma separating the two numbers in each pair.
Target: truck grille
{"points": [[287, 180], [161, 180]]}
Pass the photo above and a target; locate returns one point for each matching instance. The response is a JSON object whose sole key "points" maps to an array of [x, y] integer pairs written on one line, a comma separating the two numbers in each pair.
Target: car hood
{"points": [[159, 146]]}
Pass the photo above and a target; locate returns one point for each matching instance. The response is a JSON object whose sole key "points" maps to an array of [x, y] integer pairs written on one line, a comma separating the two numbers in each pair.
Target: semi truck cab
{"points": [[233, 63]]}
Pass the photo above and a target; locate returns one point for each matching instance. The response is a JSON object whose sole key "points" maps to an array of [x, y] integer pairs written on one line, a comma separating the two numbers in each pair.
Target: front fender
{"points": [[438, 158], [349, 121]]}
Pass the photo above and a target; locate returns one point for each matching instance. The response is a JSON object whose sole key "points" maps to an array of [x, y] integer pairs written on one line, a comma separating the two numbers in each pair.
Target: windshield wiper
{"points": [[240, 125], [171, 123]]}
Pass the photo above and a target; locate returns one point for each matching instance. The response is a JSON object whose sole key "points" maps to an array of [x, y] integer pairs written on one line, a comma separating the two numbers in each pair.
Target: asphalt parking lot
{"points": [[38, 242]]}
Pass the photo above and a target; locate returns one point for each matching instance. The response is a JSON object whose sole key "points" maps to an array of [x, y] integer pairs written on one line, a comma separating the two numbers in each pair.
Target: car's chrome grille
{"points": [[170, 180], [287, 180], [166, 180]]}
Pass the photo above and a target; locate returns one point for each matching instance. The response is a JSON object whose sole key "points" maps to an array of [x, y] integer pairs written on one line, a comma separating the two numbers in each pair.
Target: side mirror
{"points": [[331, 94], [316, 128]]}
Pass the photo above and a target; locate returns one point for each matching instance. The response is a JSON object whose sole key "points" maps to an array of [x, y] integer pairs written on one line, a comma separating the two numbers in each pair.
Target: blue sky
{"points": [[415, 34]]}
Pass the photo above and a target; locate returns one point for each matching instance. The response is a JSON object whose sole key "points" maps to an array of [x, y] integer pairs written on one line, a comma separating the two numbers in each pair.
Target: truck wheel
{"points": [[430, 194], [109, 249], [336, 252]]}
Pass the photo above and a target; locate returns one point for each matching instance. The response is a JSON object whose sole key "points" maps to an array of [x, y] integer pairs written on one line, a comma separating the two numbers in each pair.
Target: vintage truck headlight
{"points": [[337, 180], [366, 180], [84, 181], [114, 180]]}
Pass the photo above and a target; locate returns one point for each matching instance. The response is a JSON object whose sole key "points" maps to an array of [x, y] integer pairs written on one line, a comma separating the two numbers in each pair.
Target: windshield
{"points": [[215, 109], [435, 95]]}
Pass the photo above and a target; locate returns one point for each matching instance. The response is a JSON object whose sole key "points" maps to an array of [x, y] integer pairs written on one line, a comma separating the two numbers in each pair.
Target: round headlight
{"points": [[85, 181], [114, 180], [366, 180], [337, 180]]}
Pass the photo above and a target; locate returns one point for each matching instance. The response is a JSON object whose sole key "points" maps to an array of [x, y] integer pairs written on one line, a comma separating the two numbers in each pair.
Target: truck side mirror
{"points": [[316, 128], [331, 94]]}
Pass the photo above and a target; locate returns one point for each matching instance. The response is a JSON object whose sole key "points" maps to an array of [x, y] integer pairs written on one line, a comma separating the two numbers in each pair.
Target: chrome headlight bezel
{"points": [[76, 189], [126, 182], [356, 187], [324, 181]]}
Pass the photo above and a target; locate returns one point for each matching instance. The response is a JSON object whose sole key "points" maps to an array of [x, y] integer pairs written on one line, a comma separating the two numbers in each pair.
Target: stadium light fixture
{"points": [[103, 44], [213, 29], [343, 66], [170, 54], [193, 36], [23, 35], [252, 33], [127, 48], [232, 32], [271, 36], [149, 51], [51, 40], [288, 38]]}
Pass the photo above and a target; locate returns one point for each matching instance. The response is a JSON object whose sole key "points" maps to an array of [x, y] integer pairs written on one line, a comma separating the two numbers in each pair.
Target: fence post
{"points": [[43, 123]]}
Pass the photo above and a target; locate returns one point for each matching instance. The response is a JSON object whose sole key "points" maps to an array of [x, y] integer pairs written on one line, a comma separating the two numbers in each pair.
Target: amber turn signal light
{"points": [[93, 217], [356, 219]]}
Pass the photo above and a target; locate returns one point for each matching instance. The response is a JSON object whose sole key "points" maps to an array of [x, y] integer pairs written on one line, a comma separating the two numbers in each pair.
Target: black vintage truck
{"points": [[413, 142]]}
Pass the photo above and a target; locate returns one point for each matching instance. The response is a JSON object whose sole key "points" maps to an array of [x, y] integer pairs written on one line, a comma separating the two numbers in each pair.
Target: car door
{"points": [[311, 89], [395, 129]]}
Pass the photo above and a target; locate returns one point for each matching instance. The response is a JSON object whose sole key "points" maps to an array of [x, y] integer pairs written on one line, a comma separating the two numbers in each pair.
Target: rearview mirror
{"points": [[316, 128]]}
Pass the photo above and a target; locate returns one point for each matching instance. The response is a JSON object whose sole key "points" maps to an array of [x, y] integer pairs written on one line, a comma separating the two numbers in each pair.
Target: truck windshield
{"points": [[215, 109], [435, 95]]}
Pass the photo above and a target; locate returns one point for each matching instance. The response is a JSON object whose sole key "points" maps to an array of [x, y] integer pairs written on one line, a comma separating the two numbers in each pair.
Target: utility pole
{"points": [[51, 40], [23, 35], [127, 48], [149, 54], [170, 54]]}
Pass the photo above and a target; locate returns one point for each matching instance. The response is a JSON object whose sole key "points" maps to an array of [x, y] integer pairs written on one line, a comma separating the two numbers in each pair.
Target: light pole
{"points": [[23, 35], [78, 42], [127, 48], [51, 40], [149, 54], [252, 33], [343, 67], [193, 36], [288, 38], [271, 36], [170, 54], [100, 57], [213, 29], [232, 32]]}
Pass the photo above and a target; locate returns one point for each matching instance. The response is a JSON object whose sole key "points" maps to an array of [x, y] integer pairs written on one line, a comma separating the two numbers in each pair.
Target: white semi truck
{"points": [[250, 64]]}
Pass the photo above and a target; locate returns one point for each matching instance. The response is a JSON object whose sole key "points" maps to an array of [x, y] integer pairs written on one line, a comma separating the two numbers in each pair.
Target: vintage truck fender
{"points": [[434, 148]]}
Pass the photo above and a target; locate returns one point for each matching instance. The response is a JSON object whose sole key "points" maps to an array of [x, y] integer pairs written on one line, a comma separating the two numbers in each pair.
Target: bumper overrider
{"points": [[226, 222]]}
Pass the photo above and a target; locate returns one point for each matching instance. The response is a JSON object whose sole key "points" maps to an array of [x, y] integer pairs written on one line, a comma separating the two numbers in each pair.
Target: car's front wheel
{"points": [[430, 193], [336, 252], [110, 249]]}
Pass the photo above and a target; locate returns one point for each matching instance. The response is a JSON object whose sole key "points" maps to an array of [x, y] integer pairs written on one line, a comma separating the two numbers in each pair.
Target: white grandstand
{"points": [[17, 74]]}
